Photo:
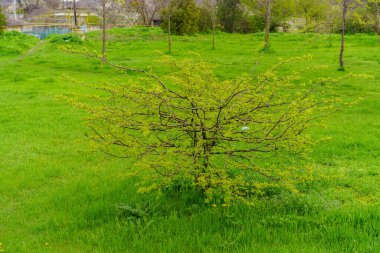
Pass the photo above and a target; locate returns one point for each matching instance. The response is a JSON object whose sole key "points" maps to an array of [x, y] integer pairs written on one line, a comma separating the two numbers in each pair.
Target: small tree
{"points": [[312, 11], [346, 6], [376, 9], [2, 21], [167, 13], [211, 7], [190, 128], [28, 6], [106, 9], [147, 9], [265, 7]]}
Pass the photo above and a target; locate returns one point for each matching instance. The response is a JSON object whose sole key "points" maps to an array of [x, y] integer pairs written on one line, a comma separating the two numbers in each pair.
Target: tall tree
{"points": [[75, 14]]}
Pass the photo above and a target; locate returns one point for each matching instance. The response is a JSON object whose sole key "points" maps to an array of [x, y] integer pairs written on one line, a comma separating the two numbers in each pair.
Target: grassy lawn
{"points": [[59, 195]]}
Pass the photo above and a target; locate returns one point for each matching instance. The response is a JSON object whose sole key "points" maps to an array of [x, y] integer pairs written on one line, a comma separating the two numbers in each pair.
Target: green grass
{"points": [[58, 195]]}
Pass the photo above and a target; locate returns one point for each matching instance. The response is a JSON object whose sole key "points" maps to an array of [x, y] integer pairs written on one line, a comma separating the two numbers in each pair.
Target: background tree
{"points": [[331, 14], [167, 13], [272, 11], [344, 19], [184, 17], [2, 21], [346, 6], [107, 9], [75, 14], [267, 6], [147, 9], [313, 11], [375, 7], [28, 6], [211, 7], [53, 4], [230, 14]]}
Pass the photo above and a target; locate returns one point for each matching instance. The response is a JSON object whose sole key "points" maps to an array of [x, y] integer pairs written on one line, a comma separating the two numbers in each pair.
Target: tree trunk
{"points": [[169, 36], [344, 16], [213, 36], [75, 14], [268, 15], [14, 10], [104, 39], [378, 20], [330, 22]]}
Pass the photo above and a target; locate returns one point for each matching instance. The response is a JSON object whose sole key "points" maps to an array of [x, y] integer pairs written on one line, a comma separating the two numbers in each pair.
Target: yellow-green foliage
{"points": [[191, 129], [93, 20]]}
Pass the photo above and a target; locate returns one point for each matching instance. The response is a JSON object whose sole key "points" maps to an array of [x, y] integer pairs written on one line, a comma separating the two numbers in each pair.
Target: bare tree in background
{"points": [[330, 21], [265, 7], [107, 9], [167, 13], [147, 9], [52, 4], [212, 9], [28, 6]]}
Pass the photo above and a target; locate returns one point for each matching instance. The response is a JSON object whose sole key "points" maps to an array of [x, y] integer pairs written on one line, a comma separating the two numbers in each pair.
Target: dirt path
{"points": [[9, 60]]}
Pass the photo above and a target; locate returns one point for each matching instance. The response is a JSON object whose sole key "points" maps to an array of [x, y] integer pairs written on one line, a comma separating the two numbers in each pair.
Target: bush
{"points": [[94, 20], [185, 18], [204, 23], [64, 38], [191, 129]]}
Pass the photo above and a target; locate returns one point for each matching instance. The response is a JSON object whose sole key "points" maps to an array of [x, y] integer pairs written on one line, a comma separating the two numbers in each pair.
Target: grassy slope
{"points": [[55, 190]]}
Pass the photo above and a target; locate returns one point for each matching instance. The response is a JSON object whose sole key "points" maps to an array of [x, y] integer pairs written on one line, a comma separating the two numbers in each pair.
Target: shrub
{"points": [[204, 22], [192, 129], [94, 20], [185, 18]]}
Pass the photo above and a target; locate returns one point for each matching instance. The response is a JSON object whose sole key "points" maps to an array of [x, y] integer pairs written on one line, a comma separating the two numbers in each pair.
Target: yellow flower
{"points": [[46, 244], [213, 205], [224, 205]]}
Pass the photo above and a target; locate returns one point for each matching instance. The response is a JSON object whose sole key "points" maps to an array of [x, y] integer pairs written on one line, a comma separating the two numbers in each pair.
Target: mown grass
{"points": [[58, 195]]}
